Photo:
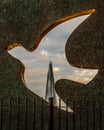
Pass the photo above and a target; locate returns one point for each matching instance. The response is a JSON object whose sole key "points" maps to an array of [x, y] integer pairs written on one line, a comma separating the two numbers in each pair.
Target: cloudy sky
{"points": [[51, 48]]}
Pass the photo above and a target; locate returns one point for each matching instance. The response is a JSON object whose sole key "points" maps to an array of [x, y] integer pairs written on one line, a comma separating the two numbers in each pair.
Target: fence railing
{"points": [[22, 113]]}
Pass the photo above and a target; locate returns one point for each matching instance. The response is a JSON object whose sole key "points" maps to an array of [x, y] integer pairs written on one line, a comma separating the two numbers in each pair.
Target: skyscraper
{"points": [[50, 85]]}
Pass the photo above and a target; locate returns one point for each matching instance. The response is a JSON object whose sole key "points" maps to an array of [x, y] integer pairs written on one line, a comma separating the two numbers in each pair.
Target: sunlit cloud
{"points": [[83, 75], [44, 53], [86, 73], [56, 69]]}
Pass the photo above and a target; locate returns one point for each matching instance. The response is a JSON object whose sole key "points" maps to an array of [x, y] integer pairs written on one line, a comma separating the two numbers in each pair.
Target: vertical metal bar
{"points": [[1, 118], [10, 113], [34, 115], [18, 102], [93, 108], [59, 113], [100, 115], [51, 114], [67, 115], [42, 114], [25, 113], [87, 115], [74, 123], [80, 117]]}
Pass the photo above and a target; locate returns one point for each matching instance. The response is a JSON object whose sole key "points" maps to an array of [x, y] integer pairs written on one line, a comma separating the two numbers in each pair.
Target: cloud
{"points": [[85, 72], [56, 69], [84, 75]]}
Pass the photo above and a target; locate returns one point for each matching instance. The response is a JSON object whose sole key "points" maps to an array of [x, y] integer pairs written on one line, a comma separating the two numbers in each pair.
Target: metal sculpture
{"points": [[26, 22]]}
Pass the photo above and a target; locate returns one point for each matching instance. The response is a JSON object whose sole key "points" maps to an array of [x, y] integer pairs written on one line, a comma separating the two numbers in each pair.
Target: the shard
{"points": [[50, 86]]}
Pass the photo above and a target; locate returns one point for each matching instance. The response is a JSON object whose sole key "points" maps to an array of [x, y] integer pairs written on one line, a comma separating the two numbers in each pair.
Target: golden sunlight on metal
{"points": [[12, 46]]}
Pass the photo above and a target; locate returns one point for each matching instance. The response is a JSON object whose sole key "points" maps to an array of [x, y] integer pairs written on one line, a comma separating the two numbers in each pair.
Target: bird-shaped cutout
{"points": [[52, 47], [25, 23]]}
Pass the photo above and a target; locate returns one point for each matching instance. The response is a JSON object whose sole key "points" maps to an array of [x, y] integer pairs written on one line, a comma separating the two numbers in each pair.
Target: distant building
{"points": [[50, 85]]}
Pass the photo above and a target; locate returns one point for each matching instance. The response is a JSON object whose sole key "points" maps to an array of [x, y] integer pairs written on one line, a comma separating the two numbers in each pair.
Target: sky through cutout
{"points": [[51, 48]]}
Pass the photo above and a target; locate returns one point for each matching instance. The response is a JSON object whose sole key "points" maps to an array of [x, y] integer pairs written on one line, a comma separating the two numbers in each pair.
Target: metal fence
{"points": [[18, 113], [86, 115]]}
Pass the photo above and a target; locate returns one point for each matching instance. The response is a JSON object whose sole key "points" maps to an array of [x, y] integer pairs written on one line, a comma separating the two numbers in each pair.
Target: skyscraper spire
{"points": [[50, 86]]}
